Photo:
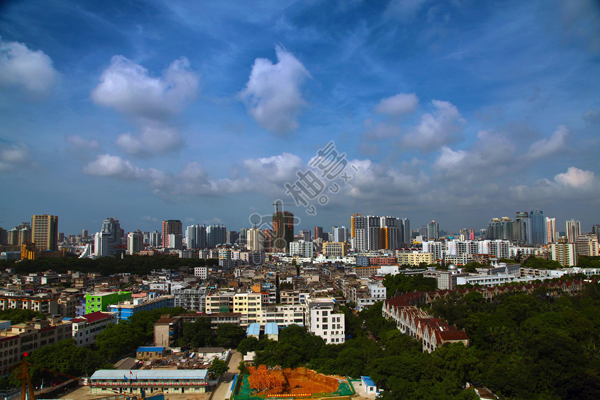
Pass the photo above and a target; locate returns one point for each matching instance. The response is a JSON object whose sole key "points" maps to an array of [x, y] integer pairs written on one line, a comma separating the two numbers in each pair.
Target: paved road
{"points": [[228, 377]]}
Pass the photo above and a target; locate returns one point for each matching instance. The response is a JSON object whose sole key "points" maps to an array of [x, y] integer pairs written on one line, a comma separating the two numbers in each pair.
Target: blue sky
{"points": [[457, 111]]}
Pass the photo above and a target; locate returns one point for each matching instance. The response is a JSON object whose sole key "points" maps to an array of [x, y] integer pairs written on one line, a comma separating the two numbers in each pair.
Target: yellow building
{"points": [[44, 232], [250, 306], [335, 249], [414, 258], [30, 251]]}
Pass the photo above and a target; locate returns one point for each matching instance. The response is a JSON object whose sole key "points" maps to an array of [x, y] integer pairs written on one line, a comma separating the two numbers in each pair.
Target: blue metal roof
{"points": [[272, 328], [368, 381], [150, 349], [253, 329], [116, 374]]}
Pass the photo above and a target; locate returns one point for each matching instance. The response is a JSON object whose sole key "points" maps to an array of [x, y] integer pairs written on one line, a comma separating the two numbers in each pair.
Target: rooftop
{"points": [[150, 374]]}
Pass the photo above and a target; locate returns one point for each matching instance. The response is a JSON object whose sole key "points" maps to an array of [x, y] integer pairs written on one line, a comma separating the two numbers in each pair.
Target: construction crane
{"points": [[280, 203], [27, 386]]}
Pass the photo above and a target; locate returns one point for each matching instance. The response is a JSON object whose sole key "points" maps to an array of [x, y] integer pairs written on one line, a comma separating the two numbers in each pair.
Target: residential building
{"points": [[564, 252], [335, 249], [587, 245], [86, 327], [414, 258], [135, 242], [433, 231], [125, 309], [44, 232], [249, 305], [100, 301], [390, 233], [551, 230], [219, 302], [201, 272], [109, 237], [46, 304], [538, 228], [255, 239], [323, 320], [170, 227], [302, 249], [358, 232], [573, 230], [373, 224], [192, 299], [283, 230]]}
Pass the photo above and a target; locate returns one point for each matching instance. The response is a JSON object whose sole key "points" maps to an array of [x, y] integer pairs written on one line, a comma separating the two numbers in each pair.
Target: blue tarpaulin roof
{"points": [[368, 381], [150, 349], [253, 329], [271, 328]]}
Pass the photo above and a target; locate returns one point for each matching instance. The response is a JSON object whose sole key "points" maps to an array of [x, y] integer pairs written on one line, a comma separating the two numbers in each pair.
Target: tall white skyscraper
{"points": [[135, 242], [551, 229], [573, 230], [255, 239]]}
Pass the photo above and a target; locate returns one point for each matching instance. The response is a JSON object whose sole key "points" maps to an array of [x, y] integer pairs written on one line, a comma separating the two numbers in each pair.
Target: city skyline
{"points": [[455, 112]]}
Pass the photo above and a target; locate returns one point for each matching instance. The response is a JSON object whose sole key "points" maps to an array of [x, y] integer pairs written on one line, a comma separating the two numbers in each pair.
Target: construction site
{"points": [[263, 382]]}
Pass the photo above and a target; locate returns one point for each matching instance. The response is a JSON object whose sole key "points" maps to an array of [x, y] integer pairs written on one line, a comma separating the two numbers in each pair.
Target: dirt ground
{"points": [[296, 381], [84, 393]]}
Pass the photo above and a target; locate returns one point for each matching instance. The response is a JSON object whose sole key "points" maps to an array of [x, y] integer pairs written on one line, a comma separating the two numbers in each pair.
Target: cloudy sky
{"points": [[457, 111]]}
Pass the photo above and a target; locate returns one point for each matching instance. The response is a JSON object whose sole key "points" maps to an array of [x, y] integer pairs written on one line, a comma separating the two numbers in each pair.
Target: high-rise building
{"points": [[302, 249], [109, 237], [587, 245], [170, 227], [500, 229], [538, 228], [306, 235], [373, 228], [243, 236], [232, 237], [340, 234], [85, 234], [190, 237], [359, 232], [155, 239], [406, 237], [25, 234], [471, 234], [175, 241], [390, 233], [216, 235], [255, 239], [318, 232], [573, 230], [564, 252], [283, 230], [13, 237], [596, 230], [550, 230], [44, 232], [135, 242], [268, 238], [522, 229], [3, 236], [433, 230], [423, 232], [352, 228]]}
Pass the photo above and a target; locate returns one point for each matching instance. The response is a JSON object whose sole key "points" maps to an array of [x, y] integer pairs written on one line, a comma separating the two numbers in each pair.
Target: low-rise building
{"points": [[149, 353], [323, 320], [178, 381], [124, 310], [99, 301], [86, 327]]}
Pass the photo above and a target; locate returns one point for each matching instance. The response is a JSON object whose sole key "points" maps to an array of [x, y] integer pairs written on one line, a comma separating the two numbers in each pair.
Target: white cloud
{"points": [[403, 9], [403, 103], [272, 94], [381, 131], [28, 70], [149, 218], [279, 169], [154, 139], [79, 144], [552, 145], [113, 167], [128, 88], [575, 177], [13, 156], [449, 158], [591, 116], [435, 130]]}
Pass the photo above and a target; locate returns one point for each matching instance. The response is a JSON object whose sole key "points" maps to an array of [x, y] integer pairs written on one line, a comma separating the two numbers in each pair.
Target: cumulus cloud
{"points": [[381, 131], [550, 146], [13, 156], [128, 88], [273, 94], [153, 139], [575, 184], [591, 116], [149, 218], [79, 144], [574, 177], [278, 169], [435, 130], [113, 167], [403, 103], [30, 71], [403, 9]]}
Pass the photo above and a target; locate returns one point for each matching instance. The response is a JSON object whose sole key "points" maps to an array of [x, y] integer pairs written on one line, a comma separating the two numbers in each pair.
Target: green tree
{"points": [[218, 367], [230, 335]]}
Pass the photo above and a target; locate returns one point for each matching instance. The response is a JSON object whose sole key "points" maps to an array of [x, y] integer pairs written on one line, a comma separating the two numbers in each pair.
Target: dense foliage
{"points": [[107, 265], [378, 349], [588, 262], [63, 357], [17, 316], [531, 346], [398, 284], [540, 263]]}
